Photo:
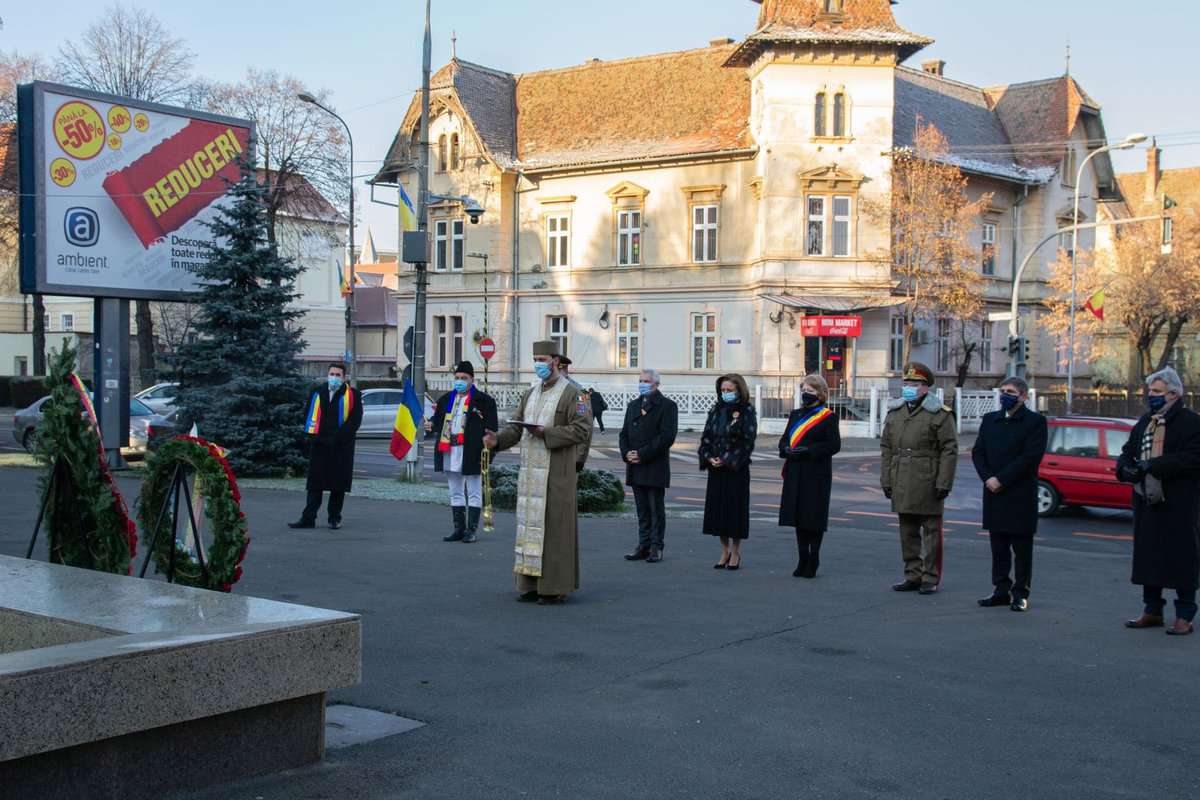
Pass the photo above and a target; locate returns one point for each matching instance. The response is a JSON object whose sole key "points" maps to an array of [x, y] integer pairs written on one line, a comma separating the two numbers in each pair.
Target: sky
{"points": [[1131, 57]]}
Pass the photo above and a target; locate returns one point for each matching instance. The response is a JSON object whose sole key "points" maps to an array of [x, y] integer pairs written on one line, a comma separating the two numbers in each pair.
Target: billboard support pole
{"points": [[110, 386]]}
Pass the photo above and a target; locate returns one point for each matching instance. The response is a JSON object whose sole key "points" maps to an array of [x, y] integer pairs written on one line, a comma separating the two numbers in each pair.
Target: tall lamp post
{"points": [[487, 331], [350, 342], [1126, 143]]}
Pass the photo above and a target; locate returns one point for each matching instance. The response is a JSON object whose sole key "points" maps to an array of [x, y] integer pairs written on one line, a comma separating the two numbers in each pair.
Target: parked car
{"points": [[1080, 464], [379, 411], [144, 425], [160, 397]]}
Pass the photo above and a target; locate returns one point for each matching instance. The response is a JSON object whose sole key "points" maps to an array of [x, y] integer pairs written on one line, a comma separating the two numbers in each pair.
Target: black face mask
{"points": [[809, 399]]}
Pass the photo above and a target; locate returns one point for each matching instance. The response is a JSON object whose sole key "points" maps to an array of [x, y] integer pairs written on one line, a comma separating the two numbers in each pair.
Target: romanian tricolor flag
{"points": [[408, 422], [804, 425], [343, 281], [1095, 304], [408, 214]]}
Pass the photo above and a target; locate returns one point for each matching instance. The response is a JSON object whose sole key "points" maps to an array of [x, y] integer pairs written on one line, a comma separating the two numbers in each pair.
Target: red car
{"points": [[1080, 464]]}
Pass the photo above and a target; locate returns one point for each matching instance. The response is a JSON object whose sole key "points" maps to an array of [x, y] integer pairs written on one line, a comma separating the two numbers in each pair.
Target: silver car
{"points": [[144, 425], [160, 397], [379, 411]]}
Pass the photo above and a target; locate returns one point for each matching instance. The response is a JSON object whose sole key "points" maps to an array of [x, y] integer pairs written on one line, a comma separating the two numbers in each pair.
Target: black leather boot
{"points": [[460, 525], [802, 547], [472, 525], [814, 553]]}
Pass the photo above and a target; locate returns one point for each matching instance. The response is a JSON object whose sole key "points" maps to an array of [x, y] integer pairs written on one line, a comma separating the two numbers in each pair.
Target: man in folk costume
{"points": [[332, 420], [919, 446], [585, 405], [553, 424], [459, 420]]}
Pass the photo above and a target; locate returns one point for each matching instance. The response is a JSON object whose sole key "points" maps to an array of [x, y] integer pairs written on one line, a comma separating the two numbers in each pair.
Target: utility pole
{"points": [[418, 360]]}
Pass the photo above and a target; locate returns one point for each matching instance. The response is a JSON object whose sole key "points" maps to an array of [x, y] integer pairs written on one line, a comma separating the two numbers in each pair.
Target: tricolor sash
{"points": [[448, 437], [806, 424], [313, 419]]}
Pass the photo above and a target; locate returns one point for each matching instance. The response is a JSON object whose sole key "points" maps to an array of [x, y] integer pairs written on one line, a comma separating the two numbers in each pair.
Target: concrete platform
{"points": [[128, 688]]}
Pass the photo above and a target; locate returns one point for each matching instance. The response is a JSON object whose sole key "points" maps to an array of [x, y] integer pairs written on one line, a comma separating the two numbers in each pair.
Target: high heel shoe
{"points": [[721, 564], [738, 565]]}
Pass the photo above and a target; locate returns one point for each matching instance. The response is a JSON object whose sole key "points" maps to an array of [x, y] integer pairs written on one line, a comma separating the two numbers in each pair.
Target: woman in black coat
{"points": [[1162, 461], [809, 442], [725, 449]]}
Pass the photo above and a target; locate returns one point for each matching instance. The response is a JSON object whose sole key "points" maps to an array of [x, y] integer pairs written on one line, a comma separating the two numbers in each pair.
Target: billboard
{"points": [[115, 193]]}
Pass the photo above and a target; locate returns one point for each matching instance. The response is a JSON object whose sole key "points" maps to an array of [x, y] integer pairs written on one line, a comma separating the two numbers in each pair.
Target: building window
{"points": [[704, 341], [629, 238], [834, 6], [942, 345], [67, 321], [456, 333], [819, 115], [458, 244], [704, 234], [1062, 354], [558, 240], [21, 366], [439, 338], [839, 114], [841, 226], [628, 341], [896, 345], [1066, 239], [815, 236], [46, 321], [1069, 166], [441, 154], [556, 331], [988, 251], [448, 337], [441, 244], [1168, 231], [985, 347], [455, 161]]}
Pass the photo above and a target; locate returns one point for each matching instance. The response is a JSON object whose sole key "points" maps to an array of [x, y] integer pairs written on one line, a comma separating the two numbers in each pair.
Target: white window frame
{"points": [[457, 339], [458, 244], [985, 347], [896, 344], [814, 218], [629, 226], [47, 321], [441, 237], [839, 219], [988, 249], [710, 221], [440, 329], [941, 344], [629, 341], [558, 329], [66, 321], [558, 240], [704, 336]]}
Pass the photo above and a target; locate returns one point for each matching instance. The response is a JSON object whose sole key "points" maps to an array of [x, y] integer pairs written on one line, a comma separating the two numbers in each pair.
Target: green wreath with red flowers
{"points": [[222, 509]]}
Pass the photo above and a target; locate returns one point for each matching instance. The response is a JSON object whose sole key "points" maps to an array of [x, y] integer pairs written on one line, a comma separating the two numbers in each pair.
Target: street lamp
{"points": [[1126, 143], [350, 338]]}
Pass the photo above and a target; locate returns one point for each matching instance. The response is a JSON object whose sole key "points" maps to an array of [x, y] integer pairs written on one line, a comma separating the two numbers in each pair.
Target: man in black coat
{"points": [[331, 422], [599, 406], [1007, 454], [459, 421], [1162, 461], [651, 423]]}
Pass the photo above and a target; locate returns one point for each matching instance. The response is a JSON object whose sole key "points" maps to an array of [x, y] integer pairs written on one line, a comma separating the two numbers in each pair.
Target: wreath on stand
{"points": [[215, 482], [86, 519]]}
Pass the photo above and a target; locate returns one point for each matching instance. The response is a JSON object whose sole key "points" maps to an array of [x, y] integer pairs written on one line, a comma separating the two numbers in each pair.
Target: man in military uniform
{"points": [[585, 407], [920, 452]]}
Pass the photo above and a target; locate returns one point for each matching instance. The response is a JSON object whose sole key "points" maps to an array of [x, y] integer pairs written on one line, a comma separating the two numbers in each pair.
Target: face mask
{"points": [[335, 383], [1157, 403], [1009, 401], [645, 388], [809, 399], [460, 385], [729, 397], [542, 370], [909, 394]]}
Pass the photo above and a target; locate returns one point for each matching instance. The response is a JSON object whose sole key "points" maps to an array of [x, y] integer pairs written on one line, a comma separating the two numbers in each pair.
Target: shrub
{"points": [[597, 490]]}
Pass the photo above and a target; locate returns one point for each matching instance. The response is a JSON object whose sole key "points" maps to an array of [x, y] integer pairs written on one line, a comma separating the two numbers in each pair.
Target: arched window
{"points": [[441, 153], [455, 163], [839, 114], [834, 6], [414, 142], [819, 115]]}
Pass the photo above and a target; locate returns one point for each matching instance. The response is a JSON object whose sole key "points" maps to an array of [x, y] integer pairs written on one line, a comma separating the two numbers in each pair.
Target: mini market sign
{"points": [[830, 326]]}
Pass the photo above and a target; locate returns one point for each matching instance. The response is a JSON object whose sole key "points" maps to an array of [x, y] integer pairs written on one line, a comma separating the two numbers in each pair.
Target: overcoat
{"points": [[1009, 449], [919, 448], [733, 445], [481, 415], [808, 476], [599, 405], [570, 431], [651, 424], [1166, 535], [331, 448]]}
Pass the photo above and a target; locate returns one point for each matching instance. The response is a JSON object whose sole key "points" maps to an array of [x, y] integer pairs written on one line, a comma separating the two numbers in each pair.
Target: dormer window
{"points": [[455, 162], [819, 115]]}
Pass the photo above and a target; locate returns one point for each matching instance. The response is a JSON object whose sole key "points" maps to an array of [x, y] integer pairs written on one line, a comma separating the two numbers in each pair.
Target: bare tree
{"points": [[129, 52], [295, 140], [17, 69], [176, 323]]}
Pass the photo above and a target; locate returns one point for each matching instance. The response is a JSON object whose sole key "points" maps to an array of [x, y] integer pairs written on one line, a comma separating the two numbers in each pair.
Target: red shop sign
{"points": [[831, 326]]}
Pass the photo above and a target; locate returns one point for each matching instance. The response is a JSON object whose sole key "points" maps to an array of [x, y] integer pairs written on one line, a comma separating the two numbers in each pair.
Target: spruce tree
{"points": [[239, 379]]}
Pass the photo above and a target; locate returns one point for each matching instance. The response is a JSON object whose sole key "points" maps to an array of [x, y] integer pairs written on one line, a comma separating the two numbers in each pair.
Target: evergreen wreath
{"points": [[222, 508], [87, 522]]}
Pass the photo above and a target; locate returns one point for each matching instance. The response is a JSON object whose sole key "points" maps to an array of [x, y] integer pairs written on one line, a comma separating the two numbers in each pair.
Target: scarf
{"points": [[344, 405], [447, 434], [1154, 436], [806, 423]]}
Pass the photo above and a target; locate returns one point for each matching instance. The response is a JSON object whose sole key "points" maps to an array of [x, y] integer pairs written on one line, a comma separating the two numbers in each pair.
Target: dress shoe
{"points": [[654, 557], [928, 588], [301, 524], [995, 600], [527, 597], [638, 555], [721, 565], [552, 600], [1146, 621], [335, 525], [1019, 604], [1181, 628], [906, 586]]}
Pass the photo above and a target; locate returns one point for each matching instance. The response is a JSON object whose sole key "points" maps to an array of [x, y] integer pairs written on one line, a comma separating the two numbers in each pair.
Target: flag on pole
{"points": [[1095, 304], [408, 422], [408, 214], [343, 281]]}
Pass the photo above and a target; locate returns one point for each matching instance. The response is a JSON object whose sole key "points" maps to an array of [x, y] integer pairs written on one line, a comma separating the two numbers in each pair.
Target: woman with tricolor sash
{"points": [[808, 444]]}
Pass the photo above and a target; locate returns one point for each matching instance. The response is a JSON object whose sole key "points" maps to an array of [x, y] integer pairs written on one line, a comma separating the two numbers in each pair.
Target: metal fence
{"points": [[1104, 403]]}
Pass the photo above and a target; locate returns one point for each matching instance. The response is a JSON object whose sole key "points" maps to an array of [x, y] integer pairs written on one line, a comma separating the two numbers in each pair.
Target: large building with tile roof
{"points": [[683, 211]]}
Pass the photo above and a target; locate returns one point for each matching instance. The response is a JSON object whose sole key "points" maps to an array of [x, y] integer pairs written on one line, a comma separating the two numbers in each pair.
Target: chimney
{"points": [[720, 41], [1153, 169], [934, 67]]}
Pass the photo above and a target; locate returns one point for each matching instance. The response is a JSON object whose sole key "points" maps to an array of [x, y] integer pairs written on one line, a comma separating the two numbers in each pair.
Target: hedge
{"points": [[19, 391], [597, 490]]}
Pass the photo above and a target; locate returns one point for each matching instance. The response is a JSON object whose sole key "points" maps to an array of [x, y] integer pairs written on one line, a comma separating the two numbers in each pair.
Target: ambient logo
{"points": [[82, 226]]}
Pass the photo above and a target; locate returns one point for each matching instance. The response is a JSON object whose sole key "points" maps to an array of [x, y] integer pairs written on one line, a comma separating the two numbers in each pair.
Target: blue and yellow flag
{"points": [[408, 422], [408, 213], [343, 281]]}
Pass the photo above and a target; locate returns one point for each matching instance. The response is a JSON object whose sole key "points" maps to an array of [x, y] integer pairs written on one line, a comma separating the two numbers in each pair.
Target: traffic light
{"points": [[1017, 351]]}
